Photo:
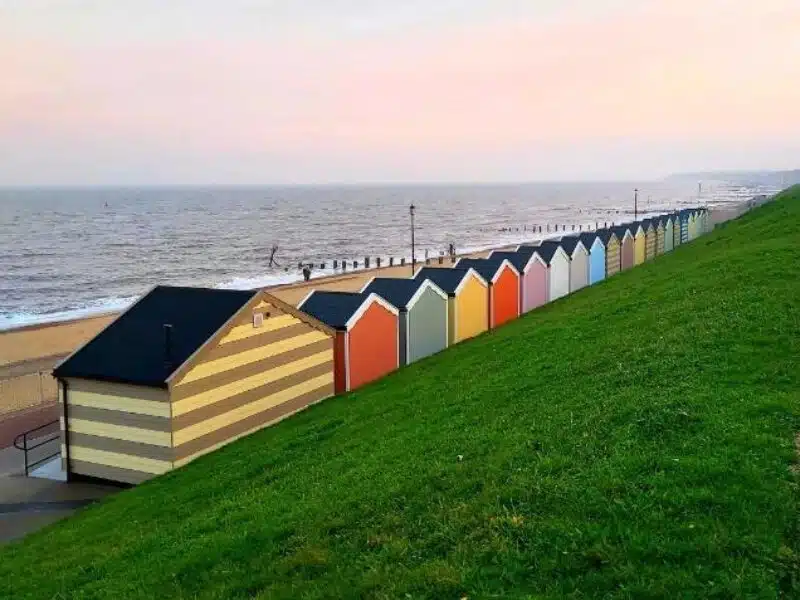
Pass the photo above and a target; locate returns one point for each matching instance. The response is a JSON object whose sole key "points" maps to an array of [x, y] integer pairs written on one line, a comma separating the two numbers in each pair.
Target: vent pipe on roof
{"points": [[168, 347]]}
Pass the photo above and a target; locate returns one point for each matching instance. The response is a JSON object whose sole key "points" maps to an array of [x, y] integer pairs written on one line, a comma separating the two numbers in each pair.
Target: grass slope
{"points": [[634, 440]]}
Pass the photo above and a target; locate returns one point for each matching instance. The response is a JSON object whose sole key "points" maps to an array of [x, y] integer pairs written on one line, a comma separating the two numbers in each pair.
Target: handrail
{"points": [[21, 443]]}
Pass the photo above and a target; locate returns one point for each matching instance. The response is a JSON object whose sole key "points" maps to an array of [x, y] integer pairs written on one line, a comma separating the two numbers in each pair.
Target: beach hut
{"points": [[660, 231], [676, 230], [592, 241], [182, 372], [627, 243], [692, 224], [557, 261], [669, 233], [639, 242], [649, 239], [423, 314], [578, 262], [612, 251], [683, 217], [367, 344], [468, 300], [533, 275], [504, 281]]}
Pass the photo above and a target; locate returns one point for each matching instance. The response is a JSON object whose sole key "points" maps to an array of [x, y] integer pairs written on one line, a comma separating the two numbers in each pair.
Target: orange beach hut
{"points": [[367, 343], [504, 281]]}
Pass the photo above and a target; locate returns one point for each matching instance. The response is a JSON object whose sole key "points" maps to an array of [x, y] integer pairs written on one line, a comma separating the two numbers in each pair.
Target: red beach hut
{"points": [[367, 343]]}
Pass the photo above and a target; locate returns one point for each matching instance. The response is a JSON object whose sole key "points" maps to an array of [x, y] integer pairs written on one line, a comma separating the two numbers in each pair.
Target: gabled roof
{"points": [[448, 280], [519, 258], [646, 223], [133, 348], [548, 249], [338, 309], [571, 243], [620, 230], [397, 292], [588, 238], [487, 268], [605, 235], [401, 293]]}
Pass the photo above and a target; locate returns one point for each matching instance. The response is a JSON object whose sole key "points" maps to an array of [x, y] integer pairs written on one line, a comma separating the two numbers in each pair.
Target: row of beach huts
{"points": [[186, 370]]}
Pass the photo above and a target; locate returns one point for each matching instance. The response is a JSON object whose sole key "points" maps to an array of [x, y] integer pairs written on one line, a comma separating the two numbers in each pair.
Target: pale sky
{"points": [[319, 91]]}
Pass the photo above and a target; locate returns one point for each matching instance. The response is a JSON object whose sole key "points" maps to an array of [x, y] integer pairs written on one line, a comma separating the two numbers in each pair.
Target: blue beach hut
{"points": [[597, 255]]}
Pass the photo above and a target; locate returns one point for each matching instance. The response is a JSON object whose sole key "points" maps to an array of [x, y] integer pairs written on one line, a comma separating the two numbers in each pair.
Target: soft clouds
{"points": [[368, 92]]}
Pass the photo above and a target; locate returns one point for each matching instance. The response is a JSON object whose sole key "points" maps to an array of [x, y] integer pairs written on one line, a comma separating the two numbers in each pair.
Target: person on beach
{"points": [[307, 272]]}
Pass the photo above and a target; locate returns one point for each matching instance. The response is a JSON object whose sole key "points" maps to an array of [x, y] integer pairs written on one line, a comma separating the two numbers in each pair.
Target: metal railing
{"points": [[26, 442]]}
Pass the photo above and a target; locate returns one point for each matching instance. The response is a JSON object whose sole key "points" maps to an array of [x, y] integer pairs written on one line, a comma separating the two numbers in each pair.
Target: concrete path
{"points": [[28, 504]]}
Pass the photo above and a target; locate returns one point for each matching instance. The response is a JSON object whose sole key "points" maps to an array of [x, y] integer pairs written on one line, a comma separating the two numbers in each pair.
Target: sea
{"points": [[70, 252]]}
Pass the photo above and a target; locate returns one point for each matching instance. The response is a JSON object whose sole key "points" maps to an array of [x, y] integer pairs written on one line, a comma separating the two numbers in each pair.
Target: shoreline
{"points": [[33, 344]]}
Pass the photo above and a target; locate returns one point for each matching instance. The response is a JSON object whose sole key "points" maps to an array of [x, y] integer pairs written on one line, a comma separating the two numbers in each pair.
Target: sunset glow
{"points": [[229, 92]]}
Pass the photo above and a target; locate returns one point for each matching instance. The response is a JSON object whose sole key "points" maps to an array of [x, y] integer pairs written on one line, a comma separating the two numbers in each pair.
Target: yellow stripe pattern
{"points": [[221, 365], [243, 332], [181, 407], [248, 410], [121, 461], [121, 432]]}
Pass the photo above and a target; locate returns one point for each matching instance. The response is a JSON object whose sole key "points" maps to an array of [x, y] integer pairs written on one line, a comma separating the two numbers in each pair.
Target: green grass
{"points": [[635, 440]]}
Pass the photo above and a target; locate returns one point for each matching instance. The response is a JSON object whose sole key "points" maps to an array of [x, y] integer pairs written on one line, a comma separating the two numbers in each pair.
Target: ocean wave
{"points": [[99, 307]]}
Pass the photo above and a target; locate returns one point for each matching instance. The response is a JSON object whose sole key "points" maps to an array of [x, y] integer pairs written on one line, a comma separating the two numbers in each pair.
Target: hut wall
{"points": [[251, 378], [639, 249], [669, 237], [650, 244], [578, 271], [373, 346], [597, 263], [402, 337], [559, 276], [613, 257], [628, 253], [117, 432], [472, 314], [505, 298], [427, 326], [451, 320], [535, 283]]}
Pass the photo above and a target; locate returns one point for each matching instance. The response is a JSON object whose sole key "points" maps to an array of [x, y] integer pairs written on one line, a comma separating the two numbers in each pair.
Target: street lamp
{"points": [[635, 203], [413, 249]]}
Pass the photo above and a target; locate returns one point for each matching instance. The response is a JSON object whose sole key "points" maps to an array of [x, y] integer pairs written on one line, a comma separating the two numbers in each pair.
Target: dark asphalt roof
{"points": [[447, 279], [569, 243], [620, 230], [333, 308], [519, 258], [605, 235], [486, 267], [588, 238], [132, 349], [398, 292], [547, 249]]}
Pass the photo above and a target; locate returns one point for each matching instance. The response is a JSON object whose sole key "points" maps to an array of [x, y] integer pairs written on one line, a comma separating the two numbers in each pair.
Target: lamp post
{"points": [[413, 248], [635, 204]]}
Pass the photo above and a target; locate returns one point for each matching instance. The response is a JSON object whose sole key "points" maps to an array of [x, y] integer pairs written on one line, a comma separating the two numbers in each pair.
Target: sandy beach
{"points": [[29, 353]]}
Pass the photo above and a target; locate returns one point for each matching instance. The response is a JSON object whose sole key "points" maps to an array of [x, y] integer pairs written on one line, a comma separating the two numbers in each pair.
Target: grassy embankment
{"points": [[634, 440]]}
